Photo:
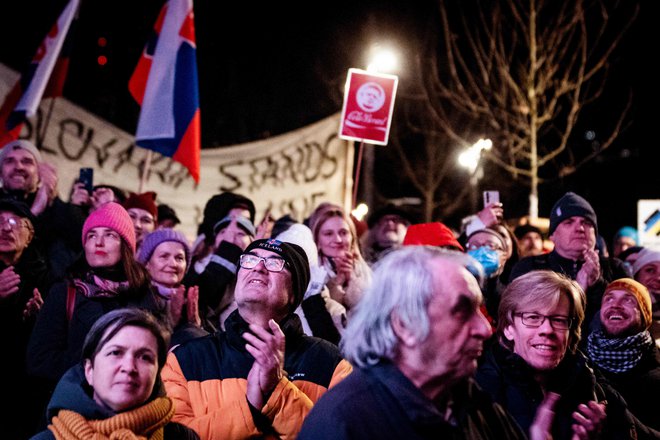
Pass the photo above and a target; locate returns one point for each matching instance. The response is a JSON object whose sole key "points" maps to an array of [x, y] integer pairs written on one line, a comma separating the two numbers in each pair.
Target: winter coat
{"points": [[379, 402], [73, 393], [56, 343], [510, 381], [206, 378]]}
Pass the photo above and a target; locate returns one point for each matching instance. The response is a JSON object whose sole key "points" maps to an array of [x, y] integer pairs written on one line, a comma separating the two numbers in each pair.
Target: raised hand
{"points": [[266, 345], [9, 281], [33, 305], [590, 270], [589, 420]]}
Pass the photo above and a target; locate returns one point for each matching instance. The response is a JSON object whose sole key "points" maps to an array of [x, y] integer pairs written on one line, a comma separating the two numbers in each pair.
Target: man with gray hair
{"points": [[414, 340]]}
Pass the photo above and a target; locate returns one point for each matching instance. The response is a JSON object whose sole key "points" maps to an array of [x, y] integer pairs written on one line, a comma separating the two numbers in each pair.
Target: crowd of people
{"points": [[116, 325]]}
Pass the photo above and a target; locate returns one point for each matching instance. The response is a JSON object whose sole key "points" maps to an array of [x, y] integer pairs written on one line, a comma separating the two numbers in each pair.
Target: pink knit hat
{"points": [[112, 216]]}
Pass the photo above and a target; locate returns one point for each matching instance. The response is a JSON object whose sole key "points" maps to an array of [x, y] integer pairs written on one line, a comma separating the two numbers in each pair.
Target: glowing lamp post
{"points": [[470, 159]]}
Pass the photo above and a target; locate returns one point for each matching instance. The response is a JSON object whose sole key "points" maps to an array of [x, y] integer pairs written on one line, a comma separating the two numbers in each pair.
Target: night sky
{"points": [[268, 69]]}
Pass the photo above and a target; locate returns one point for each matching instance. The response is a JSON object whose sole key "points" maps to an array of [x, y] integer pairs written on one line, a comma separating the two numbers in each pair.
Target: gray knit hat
{"points": [[243, 222], [20, 144], [151, 242]]}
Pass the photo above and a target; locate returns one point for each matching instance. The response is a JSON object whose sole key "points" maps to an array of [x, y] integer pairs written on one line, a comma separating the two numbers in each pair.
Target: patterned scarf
{"points": [[617, 355], [143, 423], [94, 286]]}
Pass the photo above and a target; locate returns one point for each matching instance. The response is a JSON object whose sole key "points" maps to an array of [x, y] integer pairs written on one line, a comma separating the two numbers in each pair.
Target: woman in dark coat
{"points": [[116, 390], [107, 278]]}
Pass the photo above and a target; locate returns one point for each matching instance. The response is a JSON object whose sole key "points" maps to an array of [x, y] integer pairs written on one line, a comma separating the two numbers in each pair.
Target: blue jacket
{"points": [[379, 402]]}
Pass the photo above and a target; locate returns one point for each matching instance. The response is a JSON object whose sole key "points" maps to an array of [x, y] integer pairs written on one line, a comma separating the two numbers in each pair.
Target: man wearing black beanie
{"points": [[239, 383], [573, 230]]}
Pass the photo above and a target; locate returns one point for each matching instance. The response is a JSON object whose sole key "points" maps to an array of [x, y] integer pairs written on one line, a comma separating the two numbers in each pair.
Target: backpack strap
{"points": [[70, 300]]}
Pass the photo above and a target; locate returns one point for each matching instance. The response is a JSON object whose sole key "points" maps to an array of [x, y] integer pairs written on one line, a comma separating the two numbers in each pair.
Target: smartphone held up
{"points": [[491, 197], [86, 177]]}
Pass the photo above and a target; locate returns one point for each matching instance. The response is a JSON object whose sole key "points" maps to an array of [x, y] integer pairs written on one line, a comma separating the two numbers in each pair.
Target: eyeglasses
{"points": [[272, 264], [531, 319], [14, 223], [492, 246]]}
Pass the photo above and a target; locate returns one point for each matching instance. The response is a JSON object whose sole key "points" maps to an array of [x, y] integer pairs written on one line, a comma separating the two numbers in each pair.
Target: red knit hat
{"points": [[146, 201], [432, 234], [113, 216]]}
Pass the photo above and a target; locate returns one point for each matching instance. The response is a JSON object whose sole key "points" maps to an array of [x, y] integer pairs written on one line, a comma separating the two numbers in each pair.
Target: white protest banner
{"points": [[287, 174]]}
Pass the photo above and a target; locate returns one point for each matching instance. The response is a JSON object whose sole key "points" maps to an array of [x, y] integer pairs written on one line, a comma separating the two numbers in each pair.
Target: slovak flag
{"points": [[23, 99], [164, 83]]}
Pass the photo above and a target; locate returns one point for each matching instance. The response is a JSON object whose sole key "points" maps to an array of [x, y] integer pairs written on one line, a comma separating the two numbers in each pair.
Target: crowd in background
{"points": [[263, 319]]}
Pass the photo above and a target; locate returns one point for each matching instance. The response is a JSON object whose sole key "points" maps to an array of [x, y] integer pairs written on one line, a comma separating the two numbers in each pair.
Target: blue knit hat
{"points": [[151, 242], [627, 231], [571, 205]]}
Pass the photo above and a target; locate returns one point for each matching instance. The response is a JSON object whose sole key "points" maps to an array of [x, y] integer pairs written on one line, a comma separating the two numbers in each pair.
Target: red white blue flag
{"points": [[44, 76], [165, 84]]}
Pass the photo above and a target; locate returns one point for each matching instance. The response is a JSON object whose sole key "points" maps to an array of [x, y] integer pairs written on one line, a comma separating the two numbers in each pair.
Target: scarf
{"points": [[617, 355], [93, 286], [143, 423]]}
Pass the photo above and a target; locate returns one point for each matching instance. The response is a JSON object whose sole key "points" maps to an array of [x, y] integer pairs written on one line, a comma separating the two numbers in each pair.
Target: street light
{"points": [[470, 159], [382, 60]]}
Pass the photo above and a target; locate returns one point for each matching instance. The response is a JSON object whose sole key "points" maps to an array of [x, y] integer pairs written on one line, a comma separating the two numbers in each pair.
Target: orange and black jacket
{"points": [[207, 379]]}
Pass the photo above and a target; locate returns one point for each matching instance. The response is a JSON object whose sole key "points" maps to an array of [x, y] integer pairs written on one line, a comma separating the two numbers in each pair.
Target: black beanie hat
{"points": [[297, 264], [571, 205]]}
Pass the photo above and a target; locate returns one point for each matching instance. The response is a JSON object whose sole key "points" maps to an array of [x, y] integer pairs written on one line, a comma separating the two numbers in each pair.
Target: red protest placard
{"points": [[368, 104]]}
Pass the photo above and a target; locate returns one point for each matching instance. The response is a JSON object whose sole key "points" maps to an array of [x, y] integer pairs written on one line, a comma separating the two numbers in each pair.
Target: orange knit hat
{"points": [[640, 292]]}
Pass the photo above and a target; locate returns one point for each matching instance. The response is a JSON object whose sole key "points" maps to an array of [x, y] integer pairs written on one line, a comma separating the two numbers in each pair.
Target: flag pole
{"points": [[41, 136], [356, 182], [145, 171]]}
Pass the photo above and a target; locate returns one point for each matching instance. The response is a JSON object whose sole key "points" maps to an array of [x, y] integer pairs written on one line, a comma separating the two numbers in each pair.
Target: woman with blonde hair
{"points": [[339, 254]]}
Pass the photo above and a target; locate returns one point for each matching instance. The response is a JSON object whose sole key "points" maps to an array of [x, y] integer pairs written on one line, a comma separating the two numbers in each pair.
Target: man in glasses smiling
{"points": [[238, 383]]}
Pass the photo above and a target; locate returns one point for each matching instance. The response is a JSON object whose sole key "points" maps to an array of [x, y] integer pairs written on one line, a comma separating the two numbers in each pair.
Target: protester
{"points": [[261, 376], [530, 240], [143, 212], [167, 217], [432, 234], [339, 254], [573, 230], [387, 228], [92, 400], [490, 248], [320, 315], [24, 276], [414, 339], [105, 278], [27, 178], [166, 254], [232, 234], [646, 270], [628, 258], [626, 237], [535, 352], [218, 207], [624, 352]]}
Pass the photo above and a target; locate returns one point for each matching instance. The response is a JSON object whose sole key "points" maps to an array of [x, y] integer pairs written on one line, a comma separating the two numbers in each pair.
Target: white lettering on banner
{"points": [[287, 174]]}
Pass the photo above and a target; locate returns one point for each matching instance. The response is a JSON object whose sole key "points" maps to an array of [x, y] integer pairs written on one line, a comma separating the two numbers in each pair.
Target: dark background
{"points": [[268, 69]]}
